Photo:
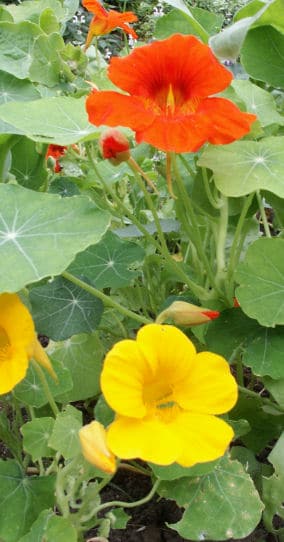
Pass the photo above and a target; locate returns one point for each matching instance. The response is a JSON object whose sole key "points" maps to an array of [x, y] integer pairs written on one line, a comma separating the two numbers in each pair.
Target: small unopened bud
{"points": [[186, 314], [114, 146], [94, 447]]}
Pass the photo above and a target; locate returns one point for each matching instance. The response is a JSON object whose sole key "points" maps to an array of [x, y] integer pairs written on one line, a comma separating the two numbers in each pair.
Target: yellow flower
{"points": [[18, 343], [94, 447], [166, 397]]}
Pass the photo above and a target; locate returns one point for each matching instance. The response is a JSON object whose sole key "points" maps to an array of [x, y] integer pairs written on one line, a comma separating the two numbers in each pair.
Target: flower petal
{"points": [[205, 438], [122, 379], [94, 447], [225, 122], [114, 109], [168, 350], [16, 320], [148, 439], [13, 369], [181, 61], [213, 390]]}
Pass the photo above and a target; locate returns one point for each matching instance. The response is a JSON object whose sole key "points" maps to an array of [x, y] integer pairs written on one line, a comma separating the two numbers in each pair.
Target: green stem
{"points": [[216, 204], [264, 400], [46, 389], [129, 504], [221, 238], [108, 301], [263, 214]]}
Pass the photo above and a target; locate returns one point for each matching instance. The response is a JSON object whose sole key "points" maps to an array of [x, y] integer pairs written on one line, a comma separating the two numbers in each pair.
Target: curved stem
{"points": [[108, 301], [129, 504], [46, 389], [263, 214], [216, 204]]}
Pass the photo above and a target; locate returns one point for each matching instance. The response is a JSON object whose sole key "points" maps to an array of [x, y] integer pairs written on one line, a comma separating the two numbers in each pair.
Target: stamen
{"points": [[171, 100]]}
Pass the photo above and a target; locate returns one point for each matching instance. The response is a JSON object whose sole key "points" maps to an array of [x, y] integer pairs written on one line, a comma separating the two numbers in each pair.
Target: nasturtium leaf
{"points": [[258, 101], [179, 4], [16, 57], [276, 456], [47, 67], [231, 331], [275, 388], [48, 21], [21, 499], [82, 355], [273, 14], [177, 21], [264, 354], [112, 262], [41, 233], [273, 487], [261, 282], [118, 518], [30, 390], [175, 471], [36, 434], [102, 412], [5, 16], [62, 309], [245, 166], [49, 527], [28, 165], [31, 10], [64, 187], [65, 119], [64, 437], [220, 505], [262, 55], [13, 89]]}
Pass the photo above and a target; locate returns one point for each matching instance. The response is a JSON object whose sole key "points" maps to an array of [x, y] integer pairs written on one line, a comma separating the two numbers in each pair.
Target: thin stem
{"points": [[46, 389], [129, 504], [136, 168], [263, 214], [108, 301], [216, 204], [221, 237]]}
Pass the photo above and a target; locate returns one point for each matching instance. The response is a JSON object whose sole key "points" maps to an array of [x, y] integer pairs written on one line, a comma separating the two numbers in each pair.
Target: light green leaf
{"points": [[34, 225], [5, 16], [265, 353], [118, 518], [111, 263], [276, 456], [273, 487], [82, 355], [261, 279], [21, 499], [16, 58], [30, 391], [61, 309], [36, 435], [224, 504], [258, 101], [262, 55], [178, 21], [179, 4], [28, 165], [47, 67], [65, 120], [65, 437], [13, 89], [48, 21], [273, 14], [275, 388], [245, 166], [49, 527], [175, 471], [31, 10]]}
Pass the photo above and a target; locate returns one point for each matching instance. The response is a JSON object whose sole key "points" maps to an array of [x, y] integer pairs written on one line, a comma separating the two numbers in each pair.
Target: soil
{"points": [[148, 522]]}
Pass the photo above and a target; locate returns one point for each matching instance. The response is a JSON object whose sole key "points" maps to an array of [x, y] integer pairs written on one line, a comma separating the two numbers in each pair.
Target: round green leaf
{"points": [[265, 353], [13, 89], [36, 435], [40, 234], [224, 504], [65, 433], [16, 59], [245, 166], [258, 101], [28, 165], [262, 55], [261, 279], [61, 309], [112, 262]]}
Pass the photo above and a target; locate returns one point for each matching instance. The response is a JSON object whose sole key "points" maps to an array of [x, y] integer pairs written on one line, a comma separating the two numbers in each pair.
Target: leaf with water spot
{"points": [[245, 166], [40, 234], [220, 505], [261, 282], [61, 309]]}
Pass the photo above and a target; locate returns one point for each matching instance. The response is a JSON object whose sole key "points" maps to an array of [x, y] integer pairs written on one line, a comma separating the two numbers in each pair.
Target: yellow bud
{"points": [[186, 314], [94, 447]]}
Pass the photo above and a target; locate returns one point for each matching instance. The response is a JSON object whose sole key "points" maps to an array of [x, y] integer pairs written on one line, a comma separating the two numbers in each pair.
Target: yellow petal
{"points": [[122, 379], [205, 438], [149, 439], [16, 320], [38, 354], [210, 389], [94, 447], [169, 351], [13, 369]]}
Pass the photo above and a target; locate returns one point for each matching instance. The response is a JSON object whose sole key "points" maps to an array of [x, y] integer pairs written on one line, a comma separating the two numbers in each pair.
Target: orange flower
{"points": [[56, 152], [170, 84], [105, 21]]}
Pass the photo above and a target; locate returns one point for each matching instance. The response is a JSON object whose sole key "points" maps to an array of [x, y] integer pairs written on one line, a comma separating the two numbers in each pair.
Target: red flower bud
{"points": [[114, 146]]}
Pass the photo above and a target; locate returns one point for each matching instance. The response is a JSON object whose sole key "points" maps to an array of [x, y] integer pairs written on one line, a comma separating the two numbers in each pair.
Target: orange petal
{"points": [[114, 109], [95, 7]]}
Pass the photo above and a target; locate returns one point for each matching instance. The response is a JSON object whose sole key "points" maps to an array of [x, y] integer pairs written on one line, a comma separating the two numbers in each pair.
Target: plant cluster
{"points": [[142, 266]]}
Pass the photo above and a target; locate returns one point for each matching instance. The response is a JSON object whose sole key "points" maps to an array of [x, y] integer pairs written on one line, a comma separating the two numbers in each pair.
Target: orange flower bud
{"points": [[187, 314], [114, 146], [94, 447]]}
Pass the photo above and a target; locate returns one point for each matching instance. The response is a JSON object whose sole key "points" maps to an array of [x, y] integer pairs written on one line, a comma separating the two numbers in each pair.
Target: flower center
{"points": [[159, 400], [5, 345]]}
